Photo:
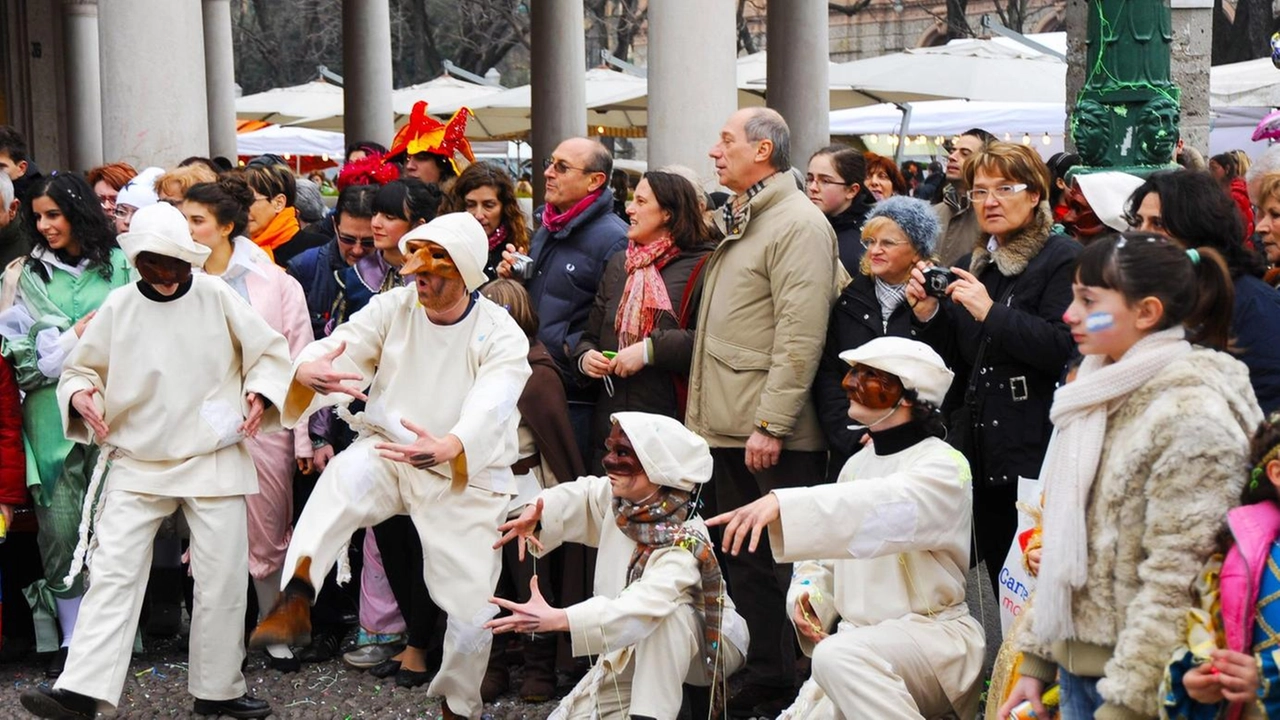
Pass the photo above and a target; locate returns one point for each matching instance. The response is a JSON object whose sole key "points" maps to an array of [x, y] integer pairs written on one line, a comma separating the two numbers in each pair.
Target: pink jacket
{"points": [[1253, 527]]}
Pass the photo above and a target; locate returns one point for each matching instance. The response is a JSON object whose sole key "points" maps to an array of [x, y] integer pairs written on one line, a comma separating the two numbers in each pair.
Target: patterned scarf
{"points": [[498, 237], [644, 297], [555, 221], [660, 524], [890, 297]]}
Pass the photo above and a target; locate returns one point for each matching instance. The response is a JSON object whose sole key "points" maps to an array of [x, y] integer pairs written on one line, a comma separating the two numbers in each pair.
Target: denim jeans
{"points": [[1080, 698]]}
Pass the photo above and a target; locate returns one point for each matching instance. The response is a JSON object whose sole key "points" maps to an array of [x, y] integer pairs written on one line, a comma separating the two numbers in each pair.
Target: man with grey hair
{"points": [[761, 326], [12, 243]]}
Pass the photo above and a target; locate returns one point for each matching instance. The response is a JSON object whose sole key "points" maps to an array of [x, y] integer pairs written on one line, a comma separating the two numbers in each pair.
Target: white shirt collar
{"points": [[49, 258]]}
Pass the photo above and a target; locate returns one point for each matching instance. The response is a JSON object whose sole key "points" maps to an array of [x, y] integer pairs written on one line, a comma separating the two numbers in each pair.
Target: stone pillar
{"points": [[84, 85], [797, 43], [366, 71], [1077, 21], [220, 78], [692, 81], [150, 115], [557, 49], [1192, 44]]}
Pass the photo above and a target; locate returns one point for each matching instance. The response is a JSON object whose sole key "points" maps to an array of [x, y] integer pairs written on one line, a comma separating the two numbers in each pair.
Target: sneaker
{"points": [[323, 648], [370, 655]]}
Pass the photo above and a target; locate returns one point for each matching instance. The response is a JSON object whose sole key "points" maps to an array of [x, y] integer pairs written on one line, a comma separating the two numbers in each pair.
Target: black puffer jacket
{"points": [[848, 227]]}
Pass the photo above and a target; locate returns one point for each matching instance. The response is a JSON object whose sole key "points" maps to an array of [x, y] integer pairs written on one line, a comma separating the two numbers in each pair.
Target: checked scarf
{"points": [[644, 297], [659, 524]]}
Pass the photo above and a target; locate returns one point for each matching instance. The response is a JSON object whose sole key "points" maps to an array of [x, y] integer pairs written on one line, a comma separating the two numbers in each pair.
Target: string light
{"points": [[1046, 139], [1006, 137], [325, 157], [873, 137], [1026, 138], [599, 129]]}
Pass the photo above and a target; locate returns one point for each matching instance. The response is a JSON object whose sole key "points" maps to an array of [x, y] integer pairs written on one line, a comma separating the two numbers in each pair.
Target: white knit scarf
{"points": [[1079, 417]]}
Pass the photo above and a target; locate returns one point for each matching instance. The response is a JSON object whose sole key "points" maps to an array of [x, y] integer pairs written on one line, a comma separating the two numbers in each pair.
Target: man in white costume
{"points": [[444, 367], [879, 601], [660, 615], [170, 377]]}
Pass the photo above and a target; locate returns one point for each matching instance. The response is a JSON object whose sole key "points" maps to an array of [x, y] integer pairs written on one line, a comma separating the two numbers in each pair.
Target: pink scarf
{"points": [[555, 221], [498, 237], [644, 297]]}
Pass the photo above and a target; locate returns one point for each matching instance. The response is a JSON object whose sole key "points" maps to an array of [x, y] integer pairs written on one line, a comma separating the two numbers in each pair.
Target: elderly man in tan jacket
{"points": [[768, 290]]}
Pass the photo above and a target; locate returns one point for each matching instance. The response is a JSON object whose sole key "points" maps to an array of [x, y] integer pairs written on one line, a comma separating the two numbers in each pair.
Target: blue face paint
{"points": [[1097, 322]]}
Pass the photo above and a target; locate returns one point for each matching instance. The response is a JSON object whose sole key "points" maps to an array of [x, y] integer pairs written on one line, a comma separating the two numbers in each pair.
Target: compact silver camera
{"points": [[521, 266]]}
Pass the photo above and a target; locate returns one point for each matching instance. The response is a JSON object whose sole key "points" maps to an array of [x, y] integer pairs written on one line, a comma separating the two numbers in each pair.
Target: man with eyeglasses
{"points": [[955, 212], [578, 234], [319, 268]]}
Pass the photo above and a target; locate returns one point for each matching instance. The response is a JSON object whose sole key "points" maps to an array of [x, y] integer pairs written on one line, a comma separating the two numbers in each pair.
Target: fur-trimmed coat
{"points": [[1173, 462]]}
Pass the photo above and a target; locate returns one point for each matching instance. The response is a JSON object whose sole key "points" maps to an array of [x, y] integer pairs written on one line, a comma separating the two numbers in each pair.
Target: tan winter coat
{"points": [[768, 292], [1173, 463]]}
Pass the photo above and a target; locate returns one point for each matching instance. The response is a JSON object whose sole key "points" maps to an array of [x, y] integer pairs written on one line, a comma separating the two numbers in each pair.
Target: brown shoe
{"points": [[539, 684], [289, 622], [497, 681], [447, 714]]}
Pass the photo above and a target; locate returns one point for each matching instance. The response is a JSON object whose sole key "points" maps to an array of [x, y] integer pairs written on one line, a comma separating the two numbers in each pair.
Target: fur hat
{"points": [[914, 363], [1108, 194], [308, 202], [915, 217], [140, 191], [162, 229], [671, 454], [462, 236]]}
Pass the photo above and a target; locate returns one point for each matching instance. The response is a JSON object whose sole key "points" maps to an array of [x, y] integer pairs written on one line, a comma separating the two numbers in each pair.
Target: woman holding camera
{"points": [[637, 346], [899, 232], [999, 325], [486, 191]]}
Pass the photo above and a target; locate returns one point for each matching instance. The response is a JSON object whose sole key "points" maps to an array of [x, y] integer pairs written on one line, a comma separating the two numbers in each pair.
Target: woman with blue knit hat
{"points": [[899, 232]]}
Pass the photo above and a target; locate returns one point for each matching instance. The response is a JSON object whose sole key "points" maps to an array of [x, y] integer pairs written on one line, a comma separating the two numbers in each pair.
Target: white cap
{"points": [[914, 363], [161, 229], [1108, 194], [672, 455], [463, 237], [140, 191]]}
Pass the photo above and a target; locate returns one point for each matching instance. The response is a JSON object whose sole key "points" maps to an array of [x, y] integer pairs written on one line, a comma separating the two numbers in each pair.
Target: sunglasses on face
{"points": [[366, 243]]}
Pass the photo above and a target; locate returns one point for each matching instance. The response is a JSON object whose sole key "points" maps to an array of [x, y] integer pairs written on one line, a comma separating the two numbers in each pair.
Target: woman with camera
{"points": [[486, 191], [899, 232], [637, 345], [998, 322]]}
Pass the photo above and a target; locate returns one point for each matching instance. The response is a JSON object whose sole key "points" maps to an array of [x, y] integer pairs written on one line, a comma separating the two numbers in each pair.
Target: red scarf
{"points": [[555, 221], [644, 297], [498, 237]]}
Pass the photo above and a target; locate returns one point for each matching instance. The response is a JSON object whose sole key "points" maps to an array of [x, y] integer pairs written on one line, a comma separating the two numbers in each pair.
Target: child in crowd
{"points": [[1146, 458]]}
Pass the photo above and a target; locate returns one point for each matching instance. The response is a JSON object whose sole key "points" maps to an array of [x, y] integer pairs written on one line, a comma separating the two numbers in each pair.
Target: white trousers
{"points": [[359, 488], [103, 641], [650, 682]]}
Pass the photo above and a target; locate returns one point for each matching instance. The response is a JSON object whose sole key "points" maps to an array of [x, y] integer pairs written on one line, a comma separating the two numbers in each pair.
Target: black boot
{"points": [[46, 702]]}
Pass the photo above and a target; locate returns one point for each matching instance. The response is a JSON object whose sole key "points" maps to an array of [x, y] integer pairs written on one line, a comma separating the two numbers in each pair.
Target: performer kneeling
{"points": [[660, 615], [886, 550], [171, 376], [445, 368]]}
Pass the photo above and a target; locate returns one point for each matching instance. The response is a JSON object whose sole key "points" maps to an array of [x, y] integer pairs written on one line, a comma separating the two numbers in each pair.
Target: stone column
{"points": [[692, 81], [220, 78], [1077, 21], [559, 65], [1192, 44], [366, 71], [152, 53], [797, 65], [84, 85]]}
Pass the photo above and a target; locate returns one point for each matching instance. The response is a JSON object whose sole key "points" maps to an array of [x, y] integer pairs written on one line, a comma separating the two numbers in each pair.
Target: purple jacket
{"points": [[1254, 527]]}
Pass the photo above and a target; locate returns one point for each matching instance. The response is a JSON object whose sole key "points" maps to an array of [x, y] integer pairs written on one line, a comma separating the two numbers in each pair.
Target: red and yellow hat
{"points": [[424, 133]]}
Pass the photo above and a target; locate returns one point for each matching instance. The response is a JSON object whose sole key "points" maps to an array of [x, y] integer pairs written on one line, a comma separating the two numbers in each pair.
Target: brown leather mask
{"points": [[1080, 217], [872, 388], [622, 459], [431, 258], [157, 269]]}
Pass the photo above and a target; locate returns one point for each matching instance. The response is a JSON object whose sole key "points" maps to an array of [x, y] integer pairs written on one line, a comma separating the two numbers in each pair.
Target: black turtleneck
{"points": [[898, 438], [151, 293]]}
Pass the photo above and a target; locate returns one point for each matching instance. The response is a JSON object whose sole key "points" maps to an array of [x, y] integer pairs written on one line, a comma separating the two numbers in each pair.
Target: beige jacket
{"points": [[960, 232], [768, 291]]}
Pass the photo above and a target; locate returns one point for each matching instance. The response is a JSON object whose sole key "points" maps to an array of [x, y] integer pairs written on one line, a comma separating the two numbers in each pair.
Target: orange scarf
{"points": [[279, 231]]}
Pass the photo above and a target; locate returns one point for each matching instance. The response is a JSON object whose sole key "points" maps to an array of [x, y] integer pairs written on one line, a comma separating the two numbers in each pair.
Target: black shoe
{"points": [[285, 664], [413, 678], [43, 701], [57, 664], [758, 700], [385, 669], [323, 648], [244, 706]]}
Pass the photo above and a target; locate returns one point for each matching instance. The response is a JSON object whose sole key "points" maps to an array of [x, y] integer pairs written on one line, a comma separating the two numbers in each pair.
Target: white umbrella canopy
{"points": [[281, 140], [290, 104], [444, 91], [1253, 83], [752, 81]]}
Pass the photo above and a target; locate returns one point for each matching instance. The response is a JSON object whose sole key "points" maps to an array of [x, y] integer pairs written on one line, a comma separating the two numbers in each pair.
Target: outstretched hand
{"points": [[521, 529], [253, 420], [320, 375], [425, 452], [531, 617], [750, 519], [82, 402]]}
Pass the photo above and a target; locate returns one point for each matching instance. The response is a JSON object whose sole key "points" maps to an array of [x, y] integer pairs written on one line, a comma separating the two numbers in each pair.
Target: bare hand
{"points": [[320, 376], [521, 529], [83, 322], [82, 402], [306, 465], [1203, 684], [1033, 561], [595, 364], [321, 457], [425, 452], [7, 511], [763, 451], [508, 259], [630, 360], [1237, 675], [969, 292], [921, 303], [534, 616], [805, 618], [254, 420], [1027, 688], [750, 519]]}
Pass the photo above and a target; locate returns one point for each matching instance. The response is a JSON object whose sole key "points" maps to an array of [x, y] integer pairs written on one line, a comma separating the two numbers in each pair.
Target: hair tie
{"points": [[1254, 476], [1194, 255]]}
